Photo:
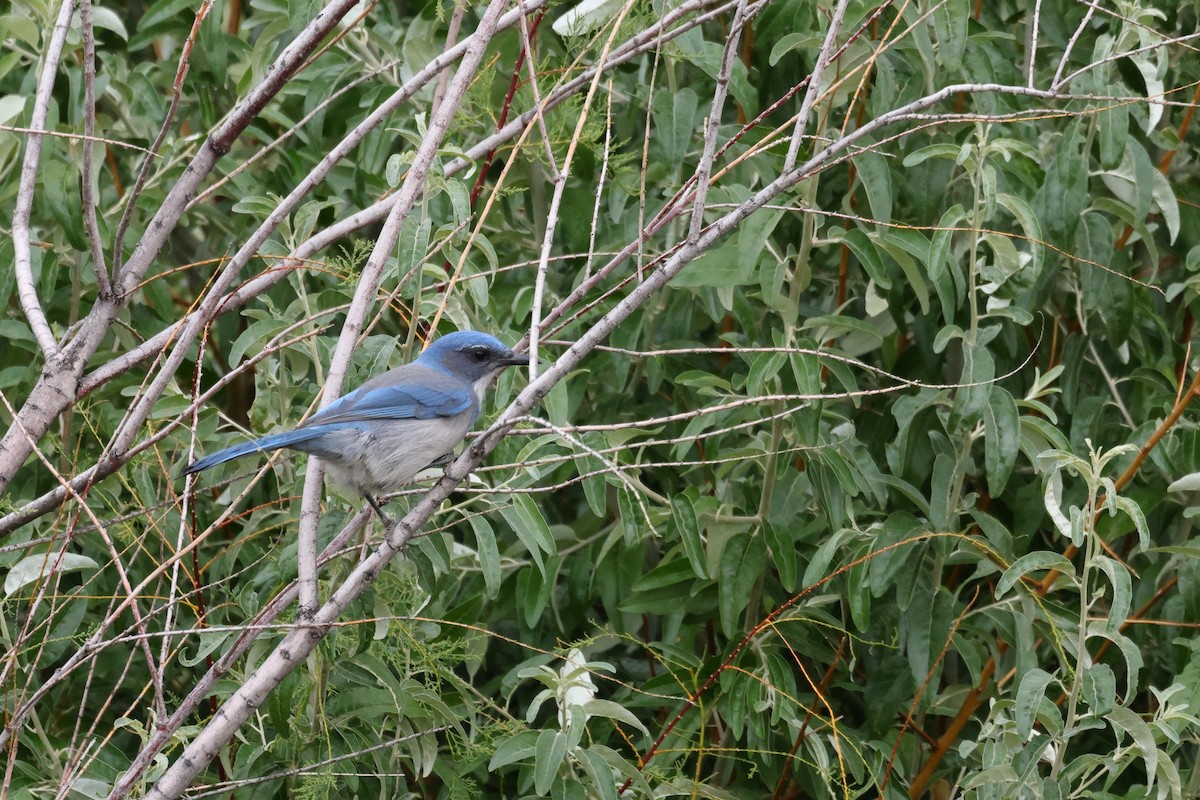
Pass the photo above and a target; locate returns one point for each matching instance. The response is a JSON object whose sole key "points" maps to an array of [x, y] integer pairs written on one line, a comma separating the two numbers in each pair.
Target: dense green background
{"points": [[952, 555]]}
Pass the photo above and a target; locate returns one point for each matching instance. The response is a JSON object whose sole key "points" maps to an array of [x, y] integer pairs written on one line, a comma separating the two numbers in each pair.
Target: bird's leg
{"points": [[378, 510], [441, 460]]}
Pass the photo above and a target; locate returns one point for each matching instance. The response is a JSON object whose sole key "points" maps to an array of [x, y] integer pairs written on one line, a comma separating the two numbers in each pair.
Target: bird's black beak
{"points": [[516, 359]]}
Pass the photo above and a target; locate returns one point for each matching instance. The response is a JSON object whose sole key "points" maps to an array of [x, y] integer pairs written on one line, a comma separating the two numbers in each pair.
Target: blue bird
{"points": [[379, 436]]}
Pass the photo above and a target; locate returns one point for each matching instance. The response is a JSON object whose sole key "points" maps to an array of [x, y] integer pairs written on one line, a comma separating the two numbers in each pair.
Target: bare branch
{"points": [[713, 122], [560, 184], [31, 304], [90, 223], [1070, 48], [181, 71], [1031, 64], [372, 274], [814, 83], [75, 137]]}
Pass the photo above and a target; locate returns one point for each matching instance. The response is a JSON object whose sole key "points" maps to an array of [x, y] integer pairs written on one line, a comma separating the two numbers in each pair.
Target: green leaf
{"points": [[1033, 562], [918, 630], [1131, 653], [1039, 435], [1134, 512], [534, 591], [1002, 439], [753, 235], [611, 710], [518, 747], [742, 563], [943, 497], [791, 42], [1053, 502], [683, 513], [900, 245], [526, 520], [631, 517], [718, 268], [549, 753], [950, 21], [1029, 697], [971, 398], [868, 256], [11, 107], [1123, 720], [920, 155], [668, 572], [413, 241], [876, 179], [600, 774], [1099, 688], [820, 564], [255, 338], [780, 539], [1063, 195], [33, 568], [1122, 591], [160, 12], [1032, 229], [489, 553], [675, 120], [1188, 483], [1113, 126]]}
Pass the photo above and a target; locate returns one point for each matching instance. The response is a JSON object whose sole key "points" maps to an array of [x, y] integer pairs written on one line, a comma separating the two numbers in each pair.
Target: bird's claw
{"points": [[441, 461]]}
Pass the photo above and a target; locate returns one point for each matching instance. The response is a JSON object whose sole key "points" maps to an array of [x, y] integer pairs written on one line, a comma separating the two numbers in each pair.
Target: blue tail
{"points": [[264, 445]]}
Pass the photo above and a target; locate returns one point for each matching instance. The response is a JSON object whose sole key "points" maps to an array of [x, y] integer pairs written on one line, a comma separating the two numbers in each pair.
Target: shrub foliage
{"points": [[858, 464]]}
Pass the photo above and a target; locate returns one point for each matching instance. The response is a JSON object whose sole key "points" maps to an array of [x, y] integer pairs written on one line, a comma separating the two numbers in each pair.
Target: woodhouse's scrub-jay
{"points": [[379, 436]]}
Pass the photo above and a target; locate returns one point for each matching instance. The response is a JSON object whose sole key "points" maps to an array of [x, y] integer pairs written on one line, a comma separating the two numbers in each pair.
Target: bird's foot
{"points": [[441, 461], [384, 518]]}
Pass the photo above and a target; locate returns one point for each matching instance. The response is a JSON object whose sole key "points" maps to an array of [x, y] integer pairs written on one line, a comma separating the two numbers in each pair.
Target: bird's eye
{"points": [[480, 354]]}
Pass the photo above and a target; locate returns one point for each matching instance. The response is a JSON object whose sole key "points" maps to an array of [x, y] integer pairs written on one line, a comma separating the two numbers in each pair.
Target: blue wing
{"points": [[404, 393]]}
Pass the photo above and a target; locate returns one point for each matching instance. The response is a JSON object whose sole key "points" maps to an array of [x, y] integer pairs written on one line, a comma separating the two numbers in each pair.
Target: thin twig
{"points": [[1031, 53], [1070, 48], [601, 181], [74, 137], [712, 123], [90, 223], [181, 71], [824, 55], [560, 185]]}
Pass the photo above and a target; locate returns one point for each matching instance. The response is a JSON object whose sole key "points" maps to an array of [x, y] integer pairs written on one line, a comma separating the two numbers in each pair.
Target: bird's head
{"points": [[470, 355]]}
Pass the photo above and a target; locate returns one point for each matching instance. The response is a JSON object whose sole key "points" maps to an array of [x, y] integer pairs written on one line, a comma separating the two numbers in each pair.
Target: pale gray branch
{"points": [[90, 222], [1070, 48], [814, 83], [409, 193], [713, 122], [31, 304]]}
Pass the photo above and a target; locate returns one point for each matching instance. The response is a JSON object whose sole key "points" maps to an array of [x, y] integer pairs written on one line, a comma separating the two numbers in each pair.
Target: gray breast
{"points": [[383, 456]]}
